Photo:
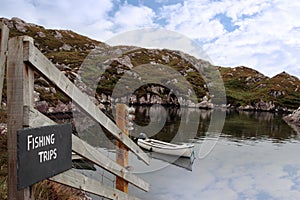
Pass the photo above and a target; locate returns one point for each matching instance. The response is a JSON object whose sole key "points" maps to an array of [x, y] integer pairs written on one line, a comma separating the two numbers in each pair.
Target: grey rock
{"points": [[293, 120], [66, 47], [58, 35], [41, 34]]}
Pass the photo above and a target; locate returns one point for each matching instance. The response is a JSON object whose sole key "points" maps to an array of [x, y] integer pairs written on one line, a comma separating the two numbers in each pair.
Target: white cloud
{"points": [[158, 38], [18, 8], [83, 17], [239, 9], [266, 35], [131, 17], [77, 15], [193, 19], [266, 41]]}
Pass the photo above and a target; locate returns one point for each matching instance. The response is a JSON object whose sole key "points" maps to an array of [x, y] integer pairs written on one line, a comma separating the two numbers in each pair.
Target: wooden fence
{"points": [[22, 60]]}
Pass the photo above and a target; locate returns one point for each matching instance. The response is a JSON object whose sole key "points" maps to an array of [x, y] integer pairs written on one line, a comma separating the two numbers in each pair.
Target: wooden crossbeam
{"points": [[74, 179]]}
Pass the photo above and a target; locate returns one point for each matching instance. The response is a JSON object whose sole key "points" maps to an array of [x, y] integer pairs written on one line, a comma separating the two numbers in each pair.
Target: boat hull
{"points": [[182, 150]]}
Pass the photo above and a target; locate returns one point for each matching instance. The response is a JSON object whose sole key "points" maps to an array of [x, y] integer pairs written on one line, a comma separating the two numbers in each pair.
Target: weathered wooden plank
{"points": [[85, 150], [44, 66], [74, 179], [37, 119], [4, 33], [18, 84]]}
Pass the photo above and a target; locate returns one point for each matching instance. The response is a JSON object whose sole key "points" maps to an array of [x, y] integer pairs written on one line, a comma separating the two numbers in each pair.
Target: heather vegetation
{"points": [[245, 87]]}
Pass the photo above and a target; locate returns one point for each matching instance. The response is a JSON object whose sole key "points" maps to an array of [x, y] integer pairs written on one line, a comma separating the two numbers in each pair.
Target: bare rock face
{"points": [[205, 103], [58, 35], [125, 61], [294, 117], [294, 120], [259, 106], [41, 34], [265, 106], [66, 47], [20, 24]]}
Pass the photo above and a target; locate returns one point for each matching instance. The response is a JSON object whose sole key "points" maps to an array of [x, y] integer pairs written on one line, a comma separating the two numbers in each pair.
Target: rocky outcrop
{"points": [[293, 120], [265, 107], [205, 103], [294, 117], [259, 106]]}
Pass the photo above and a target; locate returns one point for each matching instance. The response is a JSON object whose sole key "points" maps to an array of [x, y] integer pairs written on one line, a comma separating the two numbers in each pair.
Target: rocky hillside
{"points": [[250, 89], [245, 87]]}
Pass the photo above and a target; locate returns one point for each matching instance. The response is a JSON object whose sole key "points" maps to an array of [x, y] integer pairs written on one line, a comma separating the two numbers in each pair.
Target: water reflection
{"points": [[167, 123], [256, 157], [256, 126], [258, 171], [238, 124], [183, 162], [174, 124]]}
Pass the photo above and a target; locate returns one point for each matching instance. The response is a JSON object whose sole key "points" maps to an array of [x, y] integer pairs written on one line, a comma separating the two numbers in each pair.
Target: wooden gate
{"points": [[23, 59]]}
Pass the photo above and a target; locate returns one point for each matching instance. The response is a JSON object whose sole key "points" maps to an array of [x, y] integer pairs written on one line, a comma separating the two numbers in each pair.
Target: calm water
{"points": [[256, 156]]}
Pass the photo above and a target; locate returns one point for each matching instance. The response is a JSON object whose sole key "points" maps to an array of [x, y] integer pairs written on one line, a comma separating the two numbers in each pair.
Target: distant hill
{"points": [[246, 88]]}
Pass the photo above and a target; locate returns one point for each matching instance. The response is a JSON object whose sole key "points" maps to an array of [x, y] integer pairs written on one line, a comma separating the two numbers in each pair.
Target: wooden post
{"points": [[122, 151], [4, 32], [19, 94]]}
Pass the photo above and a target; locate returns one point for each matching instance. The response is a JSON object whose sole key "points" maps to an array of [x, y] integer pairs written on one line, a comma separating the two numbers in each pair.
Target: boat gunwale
{"points": [[159, 144]]}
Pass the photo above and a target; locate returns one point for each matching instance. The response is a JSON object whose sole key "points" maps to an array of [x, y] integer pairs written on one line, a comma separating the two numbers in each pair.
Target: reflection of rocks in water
{"points": [[171, 123], [257, 125], [260, 116], [157, 113], [205, 114], [265, 116]]}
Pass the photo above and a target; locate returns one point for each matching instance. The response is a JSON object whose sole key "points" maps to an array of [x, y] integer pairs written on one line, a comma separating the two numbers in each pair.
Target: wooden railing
{"points": [[23, 59]]}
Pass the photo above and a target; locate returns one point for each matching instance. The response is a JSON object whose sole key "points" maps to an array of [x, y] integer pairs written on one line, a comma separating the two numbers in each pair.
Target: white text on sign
{"points": [[35, 142]]}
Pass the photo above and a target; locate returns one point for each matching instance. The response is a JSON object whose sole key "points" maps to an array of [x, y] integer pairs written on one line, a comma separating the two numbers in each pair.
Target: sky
{"points": [[260, 34]]}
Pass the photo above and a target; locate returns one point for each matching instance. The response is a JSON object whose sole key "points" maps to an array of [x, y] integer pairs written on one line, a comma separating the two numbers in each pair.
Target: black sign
{"points": [[43, 152]]}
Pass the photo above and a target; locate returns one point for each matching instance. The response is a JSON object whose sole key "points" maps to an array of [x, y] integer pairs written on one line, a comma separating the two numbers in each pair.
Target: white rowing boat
{"points": [[184, 150]]}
